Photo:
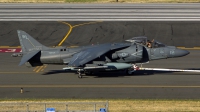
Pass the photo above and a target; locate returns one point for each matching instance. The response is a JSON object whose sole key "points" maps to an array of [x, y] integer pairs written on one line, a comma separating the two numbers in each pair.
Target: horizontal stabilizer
{"points": [[28, 56]]}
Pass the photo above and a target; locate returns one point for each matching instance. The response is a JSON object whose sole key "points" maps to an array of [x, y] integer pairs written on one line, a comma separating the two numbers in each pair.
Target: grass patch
{"points": [[124, 105], [32, 1], [99, 1], [163, 1]]}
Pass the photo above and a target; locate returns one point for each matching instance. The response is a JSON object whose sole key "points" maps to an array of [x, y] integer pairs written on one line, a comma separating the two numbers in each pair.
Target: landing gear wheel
{"points": [[129, 72], [79, 74]]}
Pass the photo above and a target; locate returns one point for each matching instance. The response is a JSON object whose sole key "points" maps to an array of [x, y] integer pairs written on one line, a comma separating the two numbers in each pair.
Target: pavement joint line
{"points": [[99, 86]]}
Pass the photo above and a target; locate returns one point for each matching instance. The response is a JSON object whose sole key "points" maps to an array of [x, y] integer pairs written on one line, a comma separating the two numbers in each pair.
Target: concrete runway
{"points": [[50, 81]]}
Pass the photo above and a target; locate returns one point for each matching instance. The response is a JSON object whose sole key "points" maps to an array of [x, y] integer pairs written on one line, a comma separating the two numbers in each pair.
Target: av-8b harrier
{"points": [[100, 57]]}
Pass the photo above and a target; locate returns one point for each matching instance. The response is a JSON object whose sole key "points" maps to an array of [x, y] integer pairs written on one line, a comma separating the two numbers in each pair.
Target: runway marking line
{"points": [[40, 68], [43, 68], [97, 86], [35, 68], [10, 46], [66, 36], [192, 48], [71, 28]]}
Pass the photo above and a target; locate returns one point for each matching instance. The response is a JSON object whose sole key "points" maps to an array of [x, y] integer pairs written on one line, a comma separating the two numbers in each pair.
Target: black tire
{"points": [[128, 72], [80, 76]]}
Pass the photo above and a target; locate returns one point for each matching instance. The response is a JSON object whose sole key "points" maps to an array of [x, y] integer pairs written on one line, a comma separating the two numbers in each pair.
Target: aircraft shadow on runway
{"points": [[95, 74], [123, 74]]}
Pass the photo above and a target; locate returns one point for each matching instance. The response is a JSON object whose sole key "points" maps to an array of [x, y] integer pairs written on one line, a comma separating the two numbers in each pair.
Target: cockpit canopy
{"points": [[157, 44], [140, 39], [144, 41]]}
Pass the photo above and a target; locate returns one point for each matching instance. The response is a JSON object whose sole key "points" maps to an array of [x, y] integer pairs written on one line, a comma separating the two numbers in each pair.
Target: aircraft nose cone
{"points": [[181, 52]]}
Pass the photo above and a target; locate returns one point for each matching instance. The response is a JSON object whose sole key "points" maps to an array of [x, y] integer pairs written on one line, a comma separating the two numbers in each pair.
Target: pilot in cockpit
{"points": [[149, 43]]}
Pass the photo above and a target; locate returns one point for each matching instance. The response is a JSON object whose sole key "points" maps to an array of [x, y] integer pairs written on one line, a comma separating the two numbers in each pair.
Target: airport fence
{"points": [[55, 107], [63, 1]]}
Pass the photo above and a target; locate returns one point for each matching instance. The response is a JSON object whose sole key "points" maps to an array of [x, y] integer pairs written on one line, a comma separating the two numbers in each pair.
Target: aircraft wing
{"points": [[92, 53], [167, 69]]}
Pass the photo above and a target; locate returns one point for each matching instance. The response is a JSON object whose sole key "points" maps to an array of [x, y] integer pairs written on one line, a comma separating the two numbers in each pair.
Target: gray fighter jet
{"points": [[100, 57]]}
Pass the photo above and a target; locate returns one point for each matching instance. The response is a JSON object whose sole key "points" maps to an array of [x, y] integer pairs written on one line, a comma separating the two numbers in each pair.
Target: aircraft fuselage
{"points": [[134, 54]]}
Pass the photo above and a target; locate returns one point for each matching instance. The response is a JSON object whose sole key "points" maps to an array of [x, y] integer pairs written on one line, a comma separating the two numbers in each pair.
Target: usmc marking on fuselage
{"points": [[35, 48]]}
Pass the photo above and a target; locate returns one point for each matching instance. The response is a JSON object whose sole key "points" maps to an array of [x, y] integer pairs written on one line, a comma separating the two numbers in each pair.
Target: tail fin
{"points": [[31, 49], [28, 43]]}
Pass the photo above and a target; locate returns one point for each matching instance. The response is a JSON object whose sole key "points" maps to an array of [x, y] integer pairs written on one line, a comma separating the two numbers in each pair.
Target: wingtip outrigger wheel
{"points": [[128, 72], [79, 74]]}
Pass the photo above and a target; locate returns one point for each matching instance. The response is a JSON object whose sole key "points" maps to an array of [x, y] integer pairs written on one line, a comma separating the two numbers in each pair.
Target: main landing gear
{"points": [[80, 72], [132, 70]]}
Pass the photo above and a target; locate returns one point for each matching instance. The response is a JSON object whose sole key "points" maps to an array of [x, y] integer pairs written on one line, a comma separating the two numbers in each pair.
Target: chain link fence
{"points": [[99, 1], [58, 107], [63, 1]]}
